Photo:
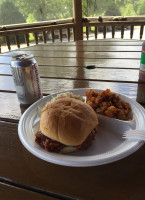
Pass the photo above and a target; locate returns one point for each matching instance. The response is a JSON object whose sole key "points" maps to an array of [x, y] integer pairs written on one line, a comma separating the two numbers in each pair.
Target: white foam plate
{"points": [[108, 146]]}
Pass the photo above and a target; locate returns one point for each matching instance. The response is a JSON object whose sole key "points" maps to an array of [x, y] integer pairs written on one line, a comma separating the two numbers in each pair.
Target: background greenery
{"points": [[20, 11]]}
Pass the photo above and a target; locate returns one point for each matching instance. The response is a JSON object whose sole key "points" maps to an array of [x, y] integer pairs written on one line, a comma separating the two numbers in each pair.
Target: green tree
{"points": [[1, 1], [45, 9], [128, 10], [91, 7], [141, 7], [111, 7], [9, 14], [30, 18], [99, 7], [112, 10]]}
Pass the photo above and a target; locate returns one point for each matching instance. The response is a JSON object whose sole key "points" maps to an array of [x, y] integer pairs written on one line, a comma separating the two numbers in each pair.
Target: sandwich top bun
{"points": [[68, 121]]}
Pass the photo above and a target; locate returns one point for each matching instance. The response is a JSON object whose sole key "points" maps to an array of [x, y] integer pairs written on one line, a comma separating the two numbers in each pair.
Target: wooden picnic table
{"points": [[63, 66]]}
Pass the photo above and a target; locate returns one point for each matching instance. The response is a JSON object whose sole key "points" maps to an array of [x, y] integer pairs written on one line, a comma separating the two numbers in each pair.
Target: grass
{"points": [[31, 37]]}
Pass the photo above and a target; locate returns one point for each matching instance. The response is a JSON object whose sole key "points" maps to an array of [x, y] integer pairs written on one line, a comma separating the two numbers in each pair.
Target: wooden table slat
{"points": [[94, 48], [89, 55], [10, 192], [73, 62], [74, 74]]}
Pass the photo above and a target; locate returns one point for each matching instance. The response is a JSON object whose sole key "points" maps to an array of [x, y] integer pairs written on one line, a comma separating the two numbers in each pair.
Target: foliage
{"points": [[1, 1], [128, 11], [45, 9], [93, 7], [9, 14], [30, 18], [141, 7], [19, 11], [14, 17], [113, 7], [112, 10]]}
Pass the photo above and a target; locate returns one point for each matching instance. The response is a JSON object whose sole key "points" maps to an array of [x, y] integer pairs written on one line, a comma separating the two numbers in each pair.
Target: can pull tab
{"points": [[22, 56]]}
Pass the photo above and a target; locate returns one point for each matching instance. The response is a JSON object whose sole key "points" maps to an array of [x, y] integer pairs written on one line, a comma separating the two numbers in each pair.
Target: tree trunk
{"points": [[42, 10]]}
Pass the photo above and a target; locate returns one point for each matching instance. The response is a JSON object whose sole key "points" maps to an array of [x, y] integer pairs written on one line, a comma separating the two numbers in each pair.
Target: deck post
{"points": [[77, 14]]}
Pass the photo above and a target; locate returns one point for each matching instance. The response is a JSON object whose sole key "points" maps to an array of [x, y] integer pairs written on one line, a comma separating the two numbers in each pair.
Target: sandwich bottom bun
{"points": [[68, 121]]}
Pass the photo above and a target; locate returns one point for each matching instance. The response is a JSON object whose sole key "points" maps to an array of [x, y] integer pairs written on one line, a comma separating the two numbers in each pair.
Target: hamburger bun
{"points": [[68, 121]]}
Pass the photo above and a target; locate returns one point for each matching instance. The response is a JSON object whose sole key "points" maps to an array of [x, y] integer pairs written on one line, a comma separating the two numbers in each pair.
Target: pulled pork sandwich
{"points": [[66, 125]]}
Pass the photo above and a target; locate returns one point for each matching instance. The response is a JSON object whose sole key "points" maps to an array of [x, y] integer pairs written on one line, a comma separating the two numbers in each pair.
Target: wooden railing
{"points": [[52, 30], [44, 30], [113, 24]]}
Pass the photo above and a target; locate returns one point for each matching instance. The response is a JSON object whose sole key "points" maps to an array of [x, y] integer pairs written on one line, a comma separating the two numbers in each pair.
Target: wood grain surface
{"points": [[9, 192], [73, 62], [119, 179], [63, 67], [94, 48], [89, 55]]}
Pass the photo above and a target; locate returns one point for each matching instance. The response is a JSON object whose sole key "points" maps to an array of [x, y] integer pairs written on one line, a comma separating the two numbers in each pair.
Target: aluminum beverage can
{"points": [[26, 78]]}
